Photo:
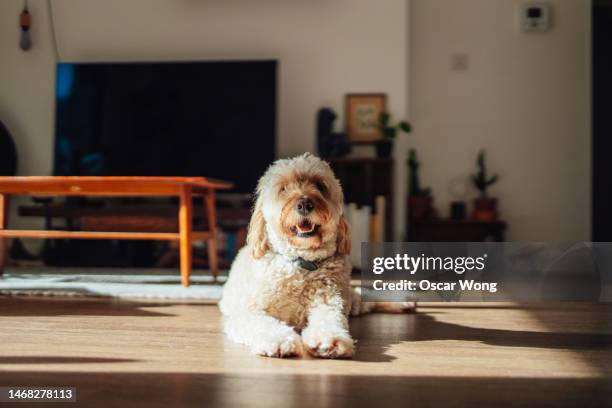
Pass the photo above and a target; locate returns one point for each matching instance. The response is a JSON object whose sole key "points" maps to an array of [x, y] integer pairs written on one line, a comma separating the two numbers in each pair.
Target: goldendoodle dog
{"points": [[289, 287]]}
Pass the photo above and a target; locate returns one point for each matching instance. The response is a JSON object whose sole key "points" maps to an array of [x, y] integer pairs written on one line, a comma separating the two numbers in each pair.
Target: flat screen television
{"points": [[211, 119]]}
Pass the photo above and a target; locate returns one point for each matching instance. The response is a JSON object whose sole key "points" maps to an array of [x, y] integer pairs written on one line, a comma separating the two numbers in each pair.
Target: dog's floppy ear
{"points": [[343, 243], [257, 237]]}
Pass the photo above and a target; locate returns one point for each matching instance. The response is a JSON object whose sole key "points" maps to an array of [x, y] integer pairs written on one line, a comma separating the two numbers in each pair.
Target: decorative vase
{"points": [[458, 211], [485, 209], [384, 147]]}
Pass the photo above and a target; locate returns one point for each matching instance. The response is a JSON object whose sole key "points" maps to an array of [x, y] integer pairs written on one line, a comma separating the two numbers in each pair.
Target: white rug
{"points": [[109, 282]]}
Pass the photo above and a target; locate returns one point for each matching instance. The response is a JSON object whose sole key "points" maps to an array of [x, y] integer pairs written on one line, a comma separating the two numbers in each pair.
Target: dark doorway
{"points": [[602, 120]]}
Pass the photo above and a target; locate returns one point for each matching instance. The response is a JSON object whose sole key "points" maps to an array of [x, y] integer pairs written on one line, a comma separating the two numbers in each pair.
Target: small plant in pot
{"points": [[420, 201], [485, 207], [384, 146]]}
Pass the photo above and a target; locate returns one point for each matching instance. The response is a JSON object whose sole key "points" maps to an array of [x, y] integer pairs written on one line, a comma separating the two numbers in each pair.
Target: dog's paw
{"points": [[282, 346], [389, 307], [320, 343], [408, 307]]}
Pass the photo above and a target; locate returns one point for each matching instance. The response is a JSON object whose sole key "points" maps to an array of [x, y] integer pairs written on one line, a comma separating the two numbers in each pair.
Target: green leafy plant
{"points": [[481, 180], [390, 130]]}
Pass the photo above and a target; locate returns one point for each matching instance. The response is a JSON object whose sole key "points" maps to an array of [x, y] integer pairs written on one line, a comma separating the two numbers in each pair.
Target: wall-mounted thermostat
{"points": [[535, 16]]}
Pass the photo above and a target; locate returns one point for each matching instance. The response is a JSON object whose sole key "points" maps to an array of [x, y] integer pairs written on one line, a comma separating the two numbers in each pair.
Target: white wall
{"points": [[27, 86], [27, 95], [525, 98], [326, 48]]}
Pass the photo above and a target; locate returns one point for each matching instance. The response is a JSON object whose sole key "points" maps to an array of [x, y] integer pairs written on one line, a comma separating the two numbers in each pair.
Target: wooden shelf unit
{"points": [[365, 178], [447, 230]]}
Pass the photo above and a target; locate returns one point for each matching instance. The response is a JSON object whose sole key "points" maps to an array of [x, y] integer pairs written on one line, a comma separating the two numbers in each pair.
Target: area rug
{"points": [[109, 282]]}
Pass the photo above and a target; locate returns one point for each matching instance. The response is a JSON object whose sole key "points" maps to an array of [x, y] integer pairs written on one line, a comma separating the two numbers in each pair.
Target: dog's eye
{"points": [[282, 189], [321, 186]]}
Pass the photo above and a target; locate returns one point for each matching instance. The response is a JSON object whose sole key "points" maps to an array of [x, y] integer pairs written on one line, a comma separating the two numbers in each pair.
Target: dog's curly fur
{"points": [[269, 297]]}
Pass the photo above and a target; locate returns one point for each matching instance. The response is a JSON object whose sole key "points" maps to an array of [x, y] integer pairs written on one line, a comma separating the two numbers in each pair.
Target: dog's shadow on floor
{"points": [[376, 333]]}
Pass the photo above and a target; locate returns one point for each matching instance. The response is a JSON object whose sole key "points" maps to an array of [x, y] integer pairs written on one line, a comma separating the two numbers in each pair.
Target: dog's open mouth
{"points": [[305, 229]]}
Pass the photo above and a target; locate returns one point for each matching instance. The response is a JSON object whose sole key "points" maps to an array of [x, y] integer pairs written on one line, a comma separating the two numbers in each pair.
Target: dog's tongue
{"points": [[305, 226]]}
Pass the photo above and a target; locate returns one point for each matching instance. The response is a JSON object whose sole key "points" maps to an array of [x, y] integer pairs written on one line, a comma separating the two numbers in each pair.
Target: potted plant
{"points": [[420, 201], [485, 207], [384, 146]]}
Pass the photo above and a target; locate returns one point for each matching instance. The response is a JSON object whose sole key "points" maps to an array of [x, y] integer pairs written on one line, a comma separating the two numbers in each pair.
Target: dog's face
{"points": [[298, 209]]}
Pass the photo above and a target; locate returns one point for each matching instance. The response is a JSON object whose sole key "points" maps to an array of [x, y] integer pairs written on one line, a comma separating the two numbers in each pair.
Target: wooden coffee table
{"points": [[183, 187]]}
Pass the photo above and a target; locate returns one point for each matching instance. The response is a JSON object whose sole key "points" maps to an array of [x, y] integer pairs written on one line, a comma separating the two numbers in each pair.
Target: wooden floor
{"points": [[121, 354]]}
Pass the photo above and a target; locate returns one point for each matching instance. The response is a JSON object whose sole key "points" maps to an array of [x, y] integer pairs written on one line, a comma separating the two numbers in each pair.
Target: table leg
{"points": [[3, 225], [185, 229], [211, 244]]}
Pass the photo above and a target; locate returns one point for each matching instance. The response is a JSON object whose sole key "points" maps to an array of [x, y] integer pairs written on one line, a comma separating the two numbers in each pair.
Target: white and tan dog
{"points": [[294, 274]]}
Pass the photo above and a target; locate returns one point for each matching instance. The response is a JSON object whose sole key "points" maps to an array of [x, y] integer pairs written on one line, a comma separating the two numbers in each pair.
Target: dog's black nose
{"points": [[304, 206]]}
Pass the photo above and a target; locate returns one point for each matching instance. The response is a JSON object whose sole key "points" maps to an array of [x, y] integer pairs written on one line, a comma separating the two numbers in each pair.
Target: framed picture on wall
{"points": [[361, 115]]}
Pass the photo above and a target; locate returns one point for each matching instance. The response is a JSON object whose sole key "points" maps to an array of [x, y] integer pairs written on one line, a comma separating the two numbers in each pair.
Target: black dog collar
{"points": [[308, 265]]}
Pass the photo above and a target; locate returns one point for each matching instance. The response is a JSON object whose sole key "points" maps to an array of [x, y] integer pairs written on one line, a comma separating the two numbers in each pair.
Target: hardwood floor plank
{"points": [[120, 353]]}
